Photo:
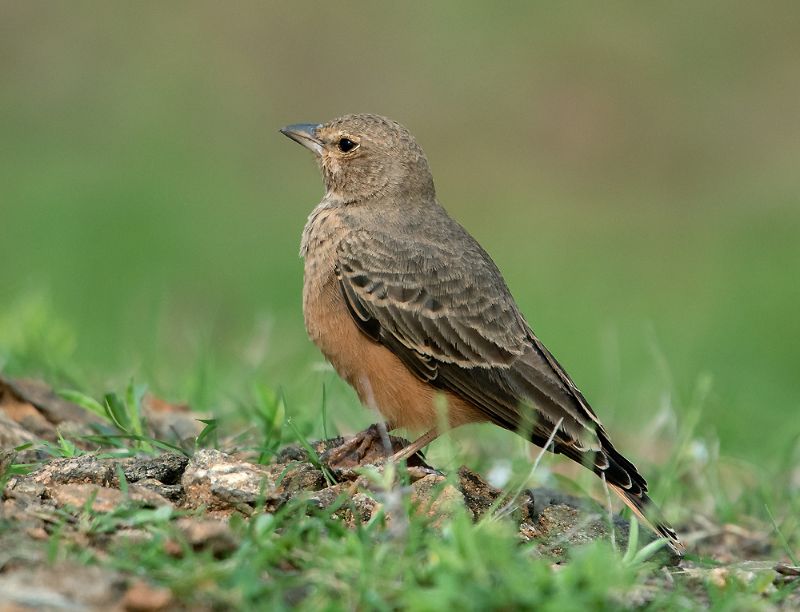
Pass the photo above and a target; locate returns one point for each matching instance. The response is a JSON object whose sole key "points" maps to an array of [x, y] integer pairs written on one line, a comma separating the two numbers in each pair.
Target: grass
{"points": [[305, 558], [300, 556], [640, 198], [631, 168]]}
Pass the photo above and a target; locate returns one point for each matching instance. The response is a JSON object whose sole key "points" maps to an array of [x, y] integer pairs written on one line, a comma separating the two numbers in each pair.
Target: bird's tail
{"points": [[624, 479], [649, 514]]}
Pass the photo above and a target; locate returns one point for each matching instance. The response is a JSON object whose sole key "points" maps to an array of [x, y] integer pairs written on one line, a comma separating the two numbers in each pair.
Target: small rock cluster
{"points": [[214, 485], [223, 484]]}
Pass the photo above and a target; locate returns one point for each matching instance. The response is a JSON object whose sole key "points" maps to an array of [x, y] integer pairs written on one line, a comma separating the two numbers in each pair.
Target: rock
{"points": [[63, 586], [327, 497], [27, 511], [556, 520], [6, 461], [83, 469], [144, 597], [351, 506], [293, 452], [173, 492], [35, 409], [208, 534], [132, 536], [166, 468], [24, 487], [146, 497], [169, 421], [53, 408], [18, 549], [103, 499], [302, 477], [28, 417], [223, 483], [758, 576], [13, 434], [542, 497], [219, 482], [436, 498], [363, 507], [144, 474], [478, 494], [37, 533]]}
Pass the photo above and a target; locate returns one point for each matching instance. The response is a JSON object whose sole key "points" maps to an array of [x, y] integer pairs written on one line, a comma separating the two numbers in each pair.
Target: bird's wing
{"points": [[434, 300], [448, 315]]}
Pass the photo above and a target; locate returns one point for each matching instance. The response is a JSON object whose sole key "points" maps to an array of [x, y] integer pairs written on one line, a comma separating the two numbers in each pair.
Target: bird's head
{"points": [[363, 157]]}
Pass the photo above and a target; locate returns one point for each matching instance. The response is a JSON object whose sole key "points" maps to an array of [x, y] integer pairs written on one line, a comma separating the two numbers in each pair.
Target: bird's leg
{"points": [[415, 446], [361, 442]]}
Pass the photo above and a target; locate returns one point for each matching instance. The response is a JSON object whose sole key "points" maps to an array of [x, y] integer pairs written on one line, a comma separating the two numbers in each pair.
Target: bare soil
{"points": [[212, 486]]}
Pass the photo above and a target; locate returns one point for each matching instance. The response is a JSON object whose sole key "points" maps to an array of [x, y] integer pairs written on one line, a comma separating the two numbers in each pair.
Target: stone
{"points": [[168, 421], [219, 482], [479, 495], [62, 586], [172, 492], [298, 478], [103, 499], [28, 417], [83, 469], [12, 435], [23, 486], [434, 497], [208, 534], [53, 408], [144, 597], [166, 468]]}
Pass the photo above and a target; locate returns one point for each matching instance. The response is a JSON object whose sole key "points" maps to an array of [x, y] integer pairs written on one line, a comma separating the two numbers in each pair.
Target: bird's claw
{"points": [[353, 451]]}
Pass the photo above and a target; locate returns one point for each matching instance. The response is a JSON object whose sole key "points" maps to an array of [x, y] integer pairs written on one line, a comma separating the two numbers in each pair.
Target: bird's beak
{"points": [[304, 134]]}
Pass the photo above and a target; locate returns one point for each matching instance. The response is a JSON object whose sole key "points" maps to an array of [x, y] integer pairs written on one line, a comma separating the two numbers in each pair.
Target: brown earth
{"points": [[220, 485]]}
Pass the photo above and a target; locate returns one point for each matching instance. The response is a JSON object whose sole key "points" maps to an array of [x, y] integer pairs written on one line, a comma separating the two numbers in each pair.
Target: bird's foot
{"points": [[374, 445], [374, 440]]}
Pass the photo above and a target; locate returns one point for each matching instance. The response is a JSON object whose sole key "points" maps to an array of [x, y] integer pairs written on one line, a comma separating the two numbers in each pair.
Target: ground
{"points": [[135, 504]]}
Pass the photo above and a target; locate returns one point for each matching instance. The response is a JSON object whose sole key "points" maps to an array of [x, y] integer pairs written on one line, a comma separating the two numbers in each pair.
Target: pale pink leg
{"points": [[415, 446]]}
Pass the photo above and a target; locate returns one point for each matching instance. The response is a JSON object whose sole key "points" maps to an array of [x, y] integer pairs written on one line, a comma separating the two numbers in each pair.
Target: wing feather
{"points": [[450, 318]]}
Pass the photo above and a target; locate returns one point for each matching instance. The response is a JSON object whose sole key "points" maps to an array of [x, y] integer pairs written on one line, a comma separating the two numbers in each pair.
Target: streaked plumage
{"points": [[405, 303]]}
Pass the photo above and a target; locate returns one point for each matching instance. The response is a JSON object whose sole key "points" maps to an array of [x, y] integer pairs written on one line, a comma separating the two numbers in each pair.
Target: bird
{"points": [[414, 314]]}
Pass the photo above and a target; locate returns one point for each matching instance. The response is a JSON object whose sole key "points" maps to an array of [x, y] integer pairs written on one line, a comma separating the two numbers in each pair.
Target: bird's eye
{"points": [[345, 145]]}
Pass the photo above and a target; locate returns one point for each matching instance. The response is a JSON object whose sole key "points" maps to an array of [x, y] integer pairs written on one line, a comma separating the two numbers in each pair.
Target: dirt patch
{"points": [[200, 494]]}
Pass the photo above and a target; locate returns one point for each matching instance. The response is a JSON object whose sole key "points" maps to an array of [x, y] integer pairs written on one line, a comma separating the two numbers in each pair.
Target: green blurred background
{"points": [[632, 167]]}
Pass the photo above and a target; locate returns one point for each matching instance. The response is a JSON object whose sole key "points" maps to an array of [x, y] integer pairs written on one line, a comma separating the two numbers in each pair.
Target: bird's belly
{"points": [[381, 380]]}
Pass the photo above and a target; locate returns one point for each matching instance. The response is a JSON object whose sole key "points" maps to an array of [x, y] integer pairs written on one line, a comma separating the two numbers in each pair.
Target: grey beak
{"points": [[304, 134]]}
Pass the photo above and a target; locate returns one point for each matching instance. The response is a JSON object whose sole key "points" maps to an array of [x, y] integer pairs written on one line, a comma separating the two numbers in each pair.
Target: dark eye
{"points": [[345, 145]]}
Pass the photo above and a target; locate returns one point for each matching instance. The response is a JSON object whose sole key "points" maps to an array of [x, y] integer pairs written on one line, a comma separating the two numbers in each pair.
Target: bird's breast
{"points": [[381, 380], [322, 302]]}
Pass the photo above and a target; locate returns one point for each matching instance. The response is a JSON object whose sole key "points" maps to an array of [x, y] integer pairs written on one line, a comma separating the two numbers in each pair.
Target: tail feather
{"points": [[649, 514], [625, 480]]}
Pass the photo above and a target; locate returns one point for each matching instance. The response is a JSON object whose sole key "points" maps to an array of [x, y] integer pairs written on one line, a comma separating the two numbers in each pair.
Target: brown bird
{"points": [[409, 308]]}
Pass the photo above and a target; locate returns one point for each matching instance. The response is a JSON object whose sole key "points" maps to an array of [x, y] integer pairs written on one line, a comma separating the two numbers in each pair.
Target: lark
{"points": [[410, 309]]}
